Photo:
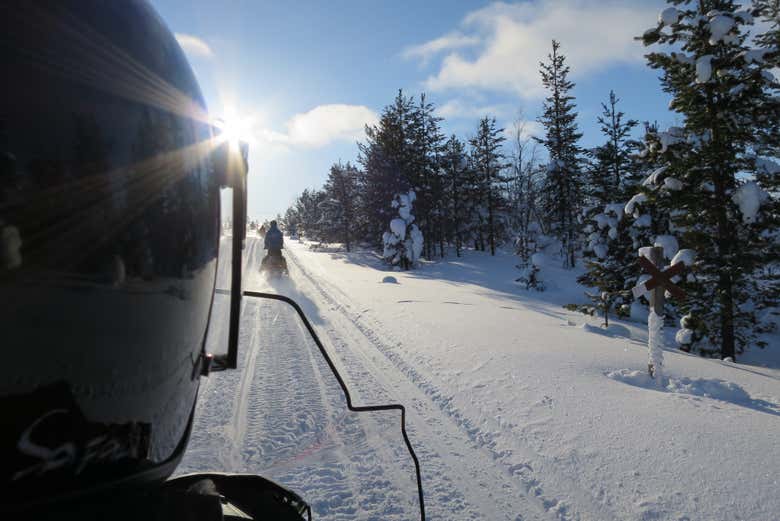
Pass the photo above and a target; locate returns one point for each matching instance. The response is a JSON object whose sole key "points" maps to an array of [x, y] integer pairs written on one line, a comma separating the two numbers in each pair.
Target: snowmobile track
{"points": [[453, 486], [434, 414]]}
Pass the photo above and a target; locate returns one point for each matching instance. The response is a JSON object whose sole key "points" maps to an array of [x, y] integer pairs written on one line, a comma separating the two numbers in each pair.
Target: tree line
{"points": [[706, 191]]}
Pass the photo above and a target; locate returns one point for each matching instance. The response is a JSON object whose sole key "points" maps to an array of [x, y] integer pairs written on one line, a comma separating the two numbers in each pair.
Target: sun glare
{"points": [[234, 128]]}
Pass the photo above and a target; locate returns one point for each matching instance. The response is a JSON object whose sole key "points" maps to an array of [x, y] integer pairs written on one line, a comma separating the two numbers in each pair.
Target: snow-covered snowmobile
{"points": [[109, 197]]}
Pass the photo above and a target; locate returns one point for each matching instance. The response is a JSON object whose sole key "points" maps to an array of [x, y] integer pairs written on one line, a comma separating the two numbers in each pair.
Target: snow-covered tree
{"points": [[308, 212], [768, 157], [724, 92], [562, 186], [403, 243], [608, 249]]}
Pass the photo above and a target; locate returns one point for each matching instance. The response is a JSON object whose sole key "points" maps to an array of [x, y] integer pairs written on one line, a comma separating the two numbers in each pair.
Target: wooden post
{"points": [[655, 287]]}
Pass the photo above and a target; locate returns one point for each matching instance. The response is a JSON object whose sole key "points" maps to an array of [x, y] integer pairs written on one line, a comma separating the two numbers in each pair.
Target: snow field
{"points": [[502, 364]]}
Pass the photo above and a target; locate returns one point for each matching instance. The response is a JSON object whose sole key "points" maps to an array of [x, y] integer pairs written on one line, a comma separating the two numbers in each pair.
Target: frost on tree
{"points": [[403, 244]]}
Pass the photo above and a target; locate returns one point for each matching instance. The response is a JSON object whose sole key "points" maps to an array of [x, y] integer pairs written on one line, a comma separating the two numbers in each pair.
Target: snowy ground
{"points": [[517, 408]]}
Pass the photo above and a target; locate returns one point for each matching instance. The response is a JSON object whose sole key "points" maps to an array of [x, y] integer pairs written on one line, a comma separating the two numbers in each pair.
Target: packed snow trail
{"points": [[348, 466], [282, 415]]}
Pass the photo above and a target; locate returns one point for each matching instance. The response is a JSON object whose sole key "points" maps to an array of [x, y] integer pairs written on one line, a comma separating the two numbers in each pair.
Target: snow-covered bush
{"points": [[528, 246], [403, 244], [529, 273]]}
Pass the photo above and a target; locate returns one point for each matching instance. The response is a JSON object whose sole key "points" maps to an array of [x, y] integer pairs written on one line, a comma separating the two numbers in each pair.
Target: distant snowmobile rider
{"points": [[274, 242]]}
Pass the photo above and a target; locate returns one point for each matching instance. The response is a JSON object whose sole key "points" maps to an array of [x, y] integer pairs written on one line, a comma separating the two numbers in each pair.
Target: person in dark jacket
{"points": [[274, 242]]}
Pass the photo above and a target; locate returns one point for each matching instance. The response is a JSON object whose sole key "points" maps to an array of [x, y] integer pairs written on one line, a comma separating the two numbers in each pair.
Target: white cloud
{"points": [[324, 124], [457, 108], [194, 46], [528, 128], [516, 37], [447, 42]]}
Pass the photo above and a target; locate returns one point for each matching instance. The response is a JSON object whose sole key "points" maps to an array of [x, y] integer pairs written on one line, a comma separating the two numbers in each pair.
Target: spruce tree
{"points": [[454, 171], [562, 187], [723, 95], [608, 244], [386, 160], [768, 160], [341, 202], [488, 163], [425, 144]]}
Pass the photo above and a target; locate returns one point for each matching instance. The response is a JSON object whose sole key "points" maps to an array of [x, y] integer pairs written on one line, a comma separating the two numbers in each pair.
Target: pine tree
{"points": [[425, 145], [768, 160], [723, 95], [488, 162], [474, 206], [385, 157], [309, 211], [341, 202], [563, 184], [607, 179], [609, 250], [454, 171]]}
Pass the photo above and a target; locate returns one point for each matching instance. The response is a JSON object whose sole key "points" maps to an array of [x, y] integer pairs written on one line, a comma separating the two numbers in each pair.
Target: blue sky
{"points": [[304, 77]]}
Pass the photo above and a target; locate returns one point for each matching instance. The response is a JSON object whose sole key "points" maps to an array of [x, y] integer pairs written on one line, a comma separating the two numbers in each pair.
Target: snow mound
{"points": [[389, 280], [614, 330], [683, 336], [712, 388]]}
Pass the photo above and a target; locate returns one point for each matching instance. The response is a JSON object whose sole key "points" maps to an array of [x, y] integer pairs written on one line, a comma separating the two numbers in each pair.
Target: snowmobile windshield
{"points": [[283, 416]]}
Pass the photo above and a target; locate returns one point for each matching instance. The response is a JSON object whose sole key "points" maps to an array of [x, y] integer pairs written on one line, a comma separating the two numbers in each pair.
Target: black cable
{"points": [[358, 408]]}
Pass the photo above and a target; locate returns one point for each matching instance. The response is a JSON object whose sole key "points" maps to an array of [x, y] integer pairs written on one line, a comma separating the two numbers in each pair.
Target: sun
{"points": [[234, 129]]}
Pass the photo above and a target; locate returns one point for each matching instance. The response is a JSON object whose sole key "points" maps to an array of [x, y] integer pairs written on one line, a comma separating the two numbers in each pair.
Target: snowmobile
{"points": [[274, 265]]}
